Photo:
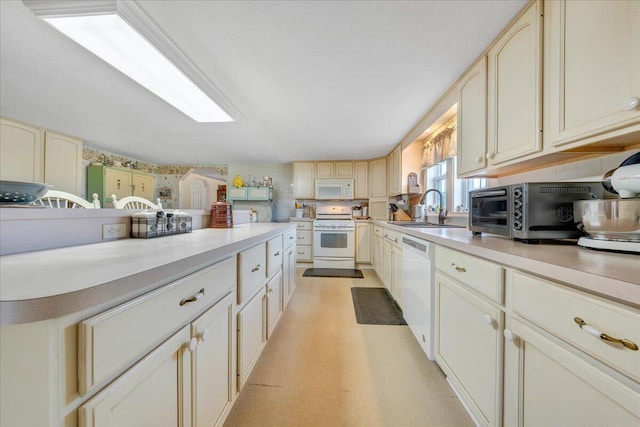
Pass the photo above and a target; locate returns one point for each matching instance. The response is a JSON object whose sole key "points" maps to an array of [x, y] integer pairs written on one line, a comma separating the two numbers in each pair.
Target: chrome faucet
{"points": [[442, 215]]}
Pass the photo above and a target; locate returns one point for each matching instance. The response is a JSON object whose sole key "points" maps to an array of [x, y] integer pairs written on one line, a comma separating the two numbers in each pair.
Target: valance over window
{"points": [[441, 145]]}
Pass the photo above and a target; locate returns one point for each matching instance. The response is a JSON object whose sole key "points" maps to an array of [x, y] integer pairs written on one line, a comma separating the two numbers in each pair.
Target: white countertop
{"points": [[612, 275], [66, 280]]}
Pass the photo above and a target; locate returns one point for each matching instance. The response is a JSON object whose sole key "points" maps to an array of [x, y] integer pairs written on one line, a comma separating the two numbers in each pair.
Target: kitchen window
{"points": [[455, 191]]}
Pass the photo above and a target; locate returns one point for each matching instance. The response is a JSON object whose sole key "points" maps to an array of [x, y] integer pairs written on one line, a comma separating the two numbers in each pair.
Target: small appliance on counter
{"points": [[530, 211], [221, 215], [614, 224], [148, 223]]}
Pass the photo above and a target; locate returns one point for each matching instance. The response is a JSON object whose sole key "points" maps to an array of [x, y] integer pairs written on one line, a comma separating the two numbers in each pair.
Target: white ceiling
{"points": [[312, 79]]}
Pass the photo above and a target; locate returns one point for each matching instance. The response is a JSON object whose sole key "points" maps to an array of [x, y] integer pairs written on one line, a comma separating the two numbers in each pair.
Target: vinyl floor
{"points": [[321, 368]]}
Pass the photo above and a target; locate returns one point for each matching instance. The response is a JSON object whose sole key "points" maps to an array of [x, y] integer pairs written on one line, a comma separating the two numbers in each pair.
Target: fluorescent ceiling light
{"points": [[115, 41]]}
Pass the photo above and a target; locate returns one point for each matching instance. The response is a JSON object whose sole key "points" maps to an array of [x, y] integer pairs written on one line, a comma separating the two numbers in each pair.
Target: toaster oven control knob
{"points": [[517, 214], [517, 225], [517, 204], [517, 193]]}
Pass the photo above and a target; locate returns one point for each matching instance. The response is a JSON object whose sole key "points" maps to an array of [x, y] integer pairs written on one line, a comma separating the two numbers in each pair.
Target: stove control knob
{"points": [[517, 204], [517, 225], [517, 214]]}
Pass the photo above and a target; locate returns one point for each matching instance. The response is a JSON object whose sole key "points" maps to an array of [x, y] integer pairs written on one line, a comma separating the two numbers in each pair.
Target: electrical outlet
{"points": [[113, 231]]}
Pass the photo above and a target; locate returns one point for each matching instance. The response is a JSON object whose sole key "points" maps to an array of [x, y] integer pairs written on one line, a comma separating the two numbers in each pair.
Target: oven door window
{"points": [[329, 240], [490, 212]]}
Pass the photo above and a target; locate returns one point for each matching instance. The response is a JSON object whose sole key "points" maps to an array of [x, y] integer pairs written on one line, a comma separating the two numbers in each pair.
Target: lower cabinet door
{"points": [[251, 335], [274, 302], [154, 392], [213, 364], [288, 275], [468, 348], [549, 384]]}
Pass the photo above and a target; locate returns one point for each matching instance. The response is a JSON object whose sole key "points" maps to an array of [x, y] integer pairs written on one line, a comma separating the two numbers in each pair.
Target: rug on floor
{"points": [[333, 272], [375, 306]]}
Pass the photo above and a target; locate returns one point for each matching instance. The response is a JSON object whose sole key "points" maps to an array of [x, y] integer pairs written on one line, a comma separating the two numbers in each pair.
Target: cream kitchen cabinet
{"points": [[288, 272], [252, 334], [392, 264], [334, 169], [363, 242], [514, 117], [591, 72], [106, 181], [378, 252], [304, 176], [111, 341], [30, 154], [274, 302], [163, 374], [559, 373], [472, 119], [361, 179], [468, 332], [378, 178], [213, 364], [394, 171], [304, 240]]}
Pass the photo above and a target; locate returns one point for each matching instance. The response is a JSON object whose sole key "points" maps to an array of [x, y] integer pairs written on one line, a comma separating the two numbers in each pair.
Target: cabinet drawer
{"points": [[252, 271], [482, 276], [553, 307], [115, 339], [304, 253], [391, 236], [304, 226], [274, 255], [288, 238], [304, 237]]}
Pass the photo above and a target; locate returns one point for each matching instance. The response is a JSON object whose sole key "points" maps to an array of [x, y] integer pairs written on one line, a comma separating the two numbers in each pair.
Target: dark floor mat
{"points": [[333, 272], [375, 306]]}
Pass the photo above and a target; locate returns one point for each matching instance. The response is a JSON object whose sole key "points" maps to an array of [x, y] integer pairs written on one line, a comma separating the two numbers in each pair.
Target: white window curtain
{"points": [[441, 145]]}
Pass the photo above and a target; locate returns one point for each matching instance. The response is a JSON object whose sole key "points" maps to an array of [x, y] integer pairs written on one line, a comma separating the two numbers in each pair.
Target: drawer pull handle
{"points": [[256, 268], [598, 334], [300, 253], [196, 297], [277, 254], [458, 269]]}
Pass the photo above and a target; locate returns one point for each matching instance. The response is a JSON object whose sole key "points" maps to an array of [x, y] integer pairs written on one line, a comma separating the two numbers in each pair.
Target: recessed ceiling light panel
{"points": [[108, 30]]}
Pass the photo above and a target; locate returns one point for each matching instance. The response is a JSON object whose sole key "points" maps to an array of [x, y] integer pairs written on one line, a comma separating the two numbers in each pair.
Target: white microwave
{"points": [[334, 189]]}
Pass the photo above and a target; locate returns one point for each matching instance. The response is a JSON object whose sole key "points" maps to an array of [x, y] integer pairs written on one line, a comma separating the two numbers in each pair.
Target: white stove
{"points": [[334, 238]]}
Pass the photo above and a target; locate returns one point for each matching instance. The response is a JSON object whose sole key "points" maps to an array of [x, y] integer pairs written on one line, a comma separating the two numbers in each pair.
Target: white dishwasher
{"points": [[418, 275]]}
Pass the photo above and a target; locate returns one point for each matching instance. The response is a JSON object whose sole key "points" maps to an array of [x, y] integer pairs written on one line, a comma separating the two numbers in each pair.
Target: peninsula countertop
{"points": [[52, 283], [615, 276]]}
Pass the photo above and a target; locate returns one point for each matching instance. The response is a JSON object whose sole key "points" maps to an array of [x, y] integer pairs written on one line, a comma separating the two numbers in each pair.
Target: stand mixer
{"points": [[614, 224]]}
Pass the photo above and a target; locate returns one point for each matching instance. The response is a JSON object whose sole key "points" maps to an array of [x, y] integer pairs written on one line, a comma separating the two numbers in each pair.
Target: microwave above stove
{"points": [[530, 211], [334, 189]]}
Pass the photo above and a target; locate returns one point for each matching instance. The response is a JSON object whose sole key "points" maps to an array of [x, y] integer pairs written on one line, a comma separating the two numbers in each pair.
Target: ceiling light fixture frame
{"points": [[132, 13]]}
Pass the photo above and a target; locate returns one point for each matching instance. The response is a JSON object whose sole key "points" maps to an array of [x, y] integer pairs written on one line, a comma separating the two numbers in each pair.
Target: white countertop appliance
{"points": [[614, 224], [334, 238]]}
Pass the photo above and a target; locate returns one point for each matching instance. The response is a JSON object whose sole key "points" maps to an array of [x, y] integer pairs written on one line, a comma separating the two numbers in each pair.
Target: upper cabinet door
{"points": [[361, 180], [324, 169], [344, 170], [515, 90], [21, 152], [472, 119], [63, 162], [592, 70], [378, 178], [304, 175]]}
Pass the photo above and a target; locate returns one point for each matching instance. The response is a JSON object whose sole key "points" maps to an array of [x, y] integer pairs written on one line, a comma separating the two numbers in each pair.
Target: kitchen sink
{"points": [[419, 224]]}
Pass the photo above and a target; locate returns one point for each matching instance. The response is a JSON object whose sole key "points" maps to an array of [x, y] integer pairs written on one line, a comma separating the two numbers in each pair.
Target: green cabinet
{"points": [[105, 181], [250, 193]]}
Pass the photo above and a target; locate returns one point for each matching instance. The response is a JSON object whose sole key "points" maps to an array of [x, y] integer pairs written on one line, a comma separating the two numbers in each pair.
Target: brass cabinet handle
{"points": [[193, 298], [256, 268], [599, 334], [458, 269]]}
